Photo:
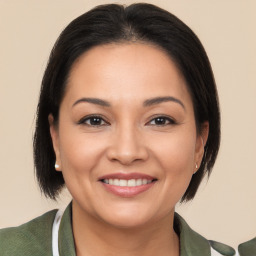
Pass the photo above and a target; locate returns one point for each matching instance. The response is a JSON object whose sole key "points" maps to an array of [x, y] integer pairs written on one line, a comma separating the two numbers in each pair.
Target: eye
{"points": [[161, 121], [93, 121]]}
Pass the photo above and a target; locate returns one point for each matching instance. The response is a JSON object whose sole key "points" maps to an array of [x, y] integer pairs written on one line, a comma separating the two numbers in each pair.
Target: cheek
{"points": [[79, 154], [80, 157], [175, 157], [176, 153]]}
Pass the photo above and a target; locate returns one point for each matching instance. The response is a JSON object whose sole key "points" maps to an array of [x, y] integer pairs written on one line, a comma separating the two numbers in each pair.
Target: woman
{"points": [[128, 120]]}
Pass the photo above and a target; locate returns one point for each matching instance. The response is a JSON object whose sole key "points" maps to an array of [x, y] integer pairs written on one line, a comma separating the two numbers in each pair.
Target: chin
{"points": [[127, 218], [126, 222]]}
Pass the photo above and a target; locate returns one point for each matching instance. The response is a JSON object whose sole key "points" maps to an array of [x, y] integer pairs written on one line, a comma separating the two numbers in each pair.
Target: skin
{"points": [[127, 138]]}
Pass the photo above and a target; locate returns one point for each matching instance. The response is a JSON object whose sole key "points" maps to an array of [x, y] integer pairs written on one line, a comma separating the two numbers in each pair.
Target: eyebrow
{"points": [[158, 100], [146, 103], [93, 101]]}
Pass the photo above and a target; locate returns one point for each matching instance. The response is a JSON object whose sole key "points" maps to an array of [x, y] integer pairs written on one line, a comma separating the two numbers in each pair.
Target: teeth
{"points": [[106, 181], [116, 182], [123, 183], [127, 183], [144, 181], [139, 182], [131, 183]]}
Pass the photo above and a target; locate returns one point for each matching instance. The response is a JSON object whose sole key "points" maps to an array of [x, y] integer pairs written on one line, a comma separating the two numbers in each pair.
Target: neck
{"points": [[95, 237]]}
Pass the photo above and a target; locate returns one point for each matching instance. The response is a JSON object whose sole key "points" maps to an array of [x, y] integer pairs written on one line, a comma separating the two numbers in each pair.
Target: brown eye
{"points": [[93, 121], [161, 121]]}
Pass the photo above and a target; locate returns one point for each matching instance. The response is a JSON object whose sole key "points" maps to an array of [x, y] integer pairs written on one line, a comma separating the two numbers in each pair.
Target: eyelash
{"points": [[164, 119], [101, 119], [89, 118]]}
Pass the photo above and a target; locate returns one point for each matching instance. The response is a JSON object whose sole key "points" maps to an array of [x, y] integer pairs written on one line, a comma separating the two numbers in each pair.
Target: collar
{"points": [[191, 243], [66, 238]]}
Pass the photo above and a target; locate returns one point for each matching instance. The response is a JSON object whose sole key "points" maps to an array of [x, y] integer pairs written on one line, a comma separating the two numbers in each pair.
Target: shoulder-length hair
{"points": [[114, 23]]}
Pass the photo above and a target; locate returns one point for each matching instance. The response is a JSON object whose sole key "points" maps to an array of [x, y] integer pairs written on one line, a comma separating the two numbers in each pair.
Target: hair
{"points": [[115, 23]]}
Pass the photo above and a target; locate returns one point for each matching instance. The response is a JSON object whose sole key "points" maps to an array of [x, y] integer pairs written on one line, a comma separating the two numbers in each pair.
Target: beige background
{"points": [[225, 207]]}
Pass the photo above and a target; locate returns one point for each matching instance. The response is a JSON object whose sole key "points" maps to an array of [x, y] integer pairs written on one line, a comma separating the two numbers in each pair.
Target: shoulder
{"points": [[30, 238], [248, 248], [192, 243]]}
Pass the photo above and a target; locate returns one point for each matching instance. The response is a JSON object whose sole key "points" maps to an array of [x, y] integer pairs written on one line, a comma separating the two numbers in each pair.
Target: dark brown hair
{"points": [[116, 23]]}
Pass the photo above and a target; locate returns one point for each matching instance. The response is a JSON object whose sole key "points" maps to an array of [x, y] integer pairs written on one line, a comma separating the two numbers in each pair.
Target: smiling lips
{"points": [[127, 185]]}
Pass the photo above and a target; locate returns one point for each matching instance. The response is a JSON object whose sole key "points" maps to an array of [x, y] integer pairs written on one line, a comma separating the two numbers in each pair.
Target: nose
{"points": [[127, 146]]}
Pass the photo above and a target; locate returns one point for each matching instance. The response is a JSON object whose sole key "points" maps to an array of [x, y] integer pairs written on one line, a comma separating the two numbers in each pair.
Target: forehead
{"points": [[131, 71]]}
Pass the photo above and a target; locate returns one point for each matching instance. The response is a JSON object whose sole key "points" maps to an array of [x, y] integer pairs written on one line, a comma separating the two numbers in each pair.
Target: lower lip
{"points": [[127, 191]]}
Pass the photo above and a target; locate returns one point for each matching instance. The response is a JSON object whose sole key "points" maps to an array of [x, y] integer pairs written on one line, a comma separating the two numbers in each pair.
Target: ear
{"points": [[200, 143], [55, 141]]}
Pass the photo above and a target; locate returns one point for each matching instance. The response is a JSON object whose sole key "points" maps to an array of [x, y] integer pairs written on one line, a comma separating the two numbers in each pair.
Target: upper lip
{"points": [[127, 176]]}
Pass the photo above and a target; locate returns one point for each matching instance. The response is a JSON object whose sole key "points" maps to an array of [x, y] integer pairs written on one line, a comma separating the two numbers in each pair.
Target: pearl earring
{"points": [[196, 168], [56, 166]]}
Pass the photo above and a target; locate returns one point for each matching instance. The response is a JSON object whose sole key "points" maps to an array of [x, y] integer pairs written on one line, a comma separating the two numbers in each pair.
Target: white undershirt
{"points": [[55, 233]]}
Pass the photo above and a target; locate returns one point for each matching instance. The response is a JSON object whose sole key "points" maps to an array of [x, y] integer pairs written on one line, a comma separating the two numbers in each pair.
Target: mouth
{"points": [[127, 185]]}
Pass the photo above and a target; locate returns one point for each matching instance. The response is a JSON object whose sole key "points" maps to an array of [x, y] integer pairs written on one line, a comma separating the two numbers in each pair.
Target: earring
{"points": [[196, 168], [56, 166]]}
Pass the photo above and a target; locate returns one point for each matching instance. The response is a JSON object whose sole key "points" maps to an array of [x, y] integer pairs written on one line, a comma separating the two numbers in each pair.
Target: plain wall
{"points": [[225, 207]]}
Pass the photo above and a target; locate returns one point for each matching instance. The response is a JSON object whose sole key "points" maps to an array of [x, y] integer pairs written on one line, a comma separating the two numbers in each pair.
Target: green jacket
{"points": [[248, 248], [35, 238]]}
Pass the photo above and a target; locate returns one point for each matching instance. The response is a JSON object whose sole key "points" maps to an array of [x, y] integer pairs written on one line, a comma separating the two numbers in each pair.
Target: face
{"points": [[126, 141]]}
